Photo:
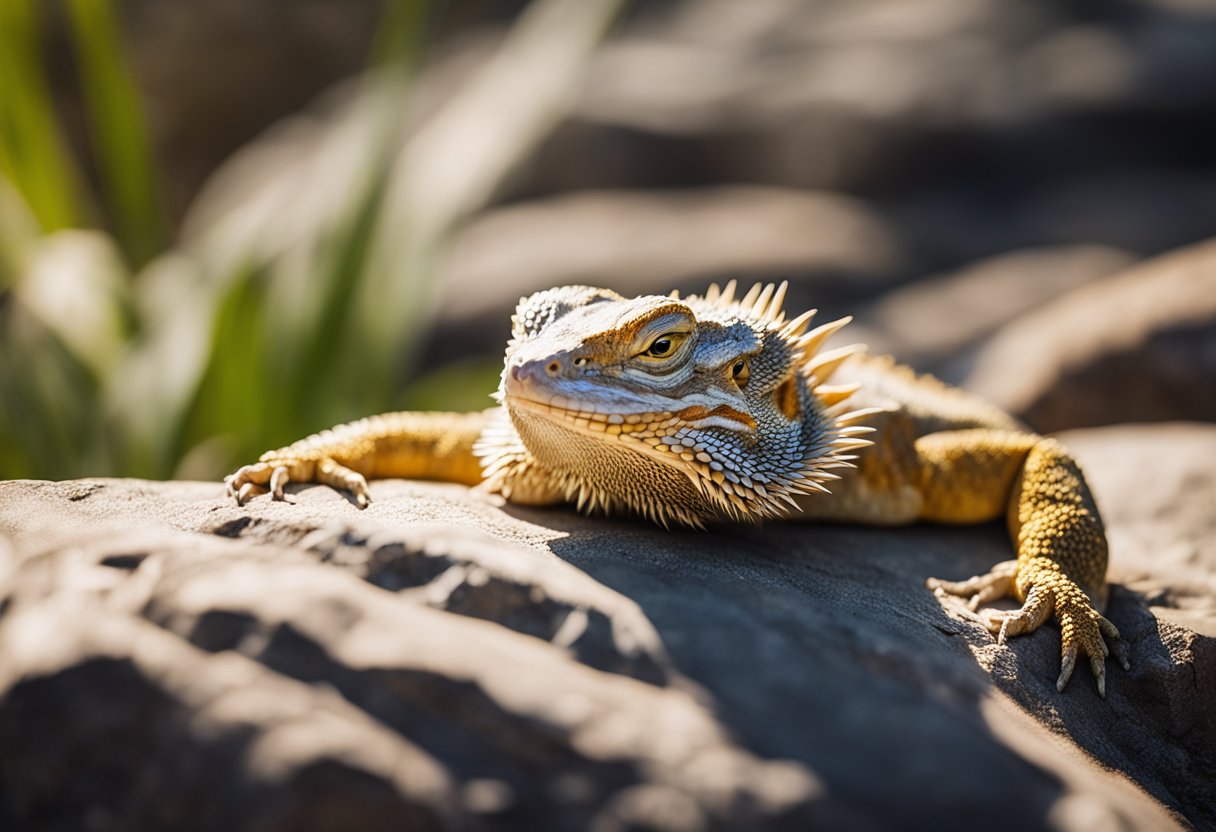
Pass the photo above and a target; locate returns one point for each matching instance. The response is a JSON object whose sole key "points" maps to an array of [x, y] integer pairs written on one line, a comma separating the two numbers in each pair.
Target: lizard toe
{"points": [[1068, 663], [247, 491], [1098, 666], [334, 474], [1110, 635], [1028, 618], [279, 478], [248, 481], [1083, 629], [997, 583]]}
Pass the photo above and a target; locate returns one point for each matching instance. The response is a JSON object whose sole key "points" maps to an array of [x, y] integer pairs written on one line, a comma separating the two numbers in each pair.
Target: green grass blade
{"points": [[19, 233], [118, 130], [399, 36], [32, 156], [455, 162]]}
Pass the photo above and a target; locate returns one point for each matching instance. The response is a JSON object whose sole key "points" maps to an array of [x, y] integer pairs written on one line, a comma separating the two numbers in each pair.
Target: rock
{"points": [[920, 100], [441, 661], [846, 146], [928, 322], [1137, 346], [1124, 208], [1163, 538], [830, 247]]}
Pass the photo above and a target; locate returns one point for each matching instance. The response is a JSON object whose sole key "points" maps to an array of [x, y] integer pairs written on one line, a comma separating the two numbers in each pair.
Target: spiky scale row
{"points": [[821, 368], [811, 342], [763, 305]]}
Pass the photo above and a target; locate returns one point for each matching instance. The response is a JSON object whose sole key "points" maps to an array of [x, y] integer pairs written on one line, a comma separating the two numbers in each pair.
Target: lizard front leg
{"points": [[436, 446], [972, 475]]}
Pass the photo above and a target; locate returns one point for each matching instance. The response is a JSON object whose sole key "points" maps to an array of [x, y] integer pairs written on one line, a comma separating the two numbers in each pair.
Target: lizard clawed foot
{"points": [[981, 589], [271, 476], [1082, 627]]}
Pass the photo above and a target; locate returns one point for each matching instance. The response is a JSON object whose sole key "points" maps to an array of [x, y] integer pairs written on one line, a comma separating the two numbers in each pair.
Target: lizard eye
{"points": [[741, 372], [665, 345]]}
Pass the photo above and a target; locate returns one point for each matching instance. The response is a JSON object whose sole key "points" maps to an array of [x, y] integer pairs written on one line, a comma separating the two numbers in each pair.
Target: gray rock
{"points": [[930, 321], [967, 101], [827, 245], [441, 661], [1163, 538], [1137, 346]]}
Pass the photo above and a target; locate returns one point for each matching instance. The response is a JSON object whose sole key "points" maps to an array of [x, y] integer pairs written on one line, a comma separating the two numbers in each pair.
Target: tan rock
{"points": [[1156, 487], [441, 660], [645, 242], [1138, 346], [931, 320]]}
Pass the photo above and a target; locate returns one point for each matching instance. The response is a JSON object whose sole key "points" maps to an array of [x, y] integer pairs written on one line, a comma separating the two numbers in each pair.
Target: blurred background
{"points": [[227, 224]]}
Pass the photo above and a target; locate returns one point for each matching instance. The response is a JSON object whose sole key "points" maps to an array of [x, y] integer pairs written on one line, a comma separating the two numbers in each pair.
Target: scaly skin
{"points": [[702, 409]]}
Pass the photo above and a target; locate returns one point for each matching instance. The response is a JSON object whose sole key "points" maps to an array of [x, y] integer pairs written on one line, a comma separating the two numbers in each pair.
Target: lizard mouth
{"points": [[662, 425], [587, 420]]}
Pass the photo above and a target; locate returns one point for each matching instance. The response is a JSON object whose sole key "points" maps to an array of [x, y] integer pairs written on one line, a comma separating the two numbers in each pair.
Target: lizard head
{"points": [[682, 410]]}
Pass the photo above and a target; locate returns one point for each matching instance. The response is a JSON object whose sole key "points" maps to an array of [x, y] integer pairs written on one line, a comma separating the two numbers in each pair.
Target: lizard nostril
{"points": [[554, 367]]}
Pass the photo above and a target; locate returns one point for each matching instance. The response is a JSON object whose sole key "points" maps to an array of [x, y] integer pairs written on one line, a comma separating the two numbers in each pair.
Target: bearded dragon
{"points": [[709, 408]]}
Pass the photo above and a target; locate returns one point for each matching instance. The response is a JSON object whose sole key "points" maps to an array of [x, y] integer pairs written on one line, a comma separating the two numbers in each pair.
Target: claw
{"points": [[1120, 651], [358, 487], [242, 484], [1110, 634], [246, 491], [1067, 663], [277, 480], [1098, 665]]}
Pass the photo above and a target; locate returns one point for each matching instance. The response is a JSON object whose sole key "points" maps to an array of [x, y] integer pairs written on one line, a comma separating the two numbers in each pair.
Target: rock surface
{"points": [[440, 661], [830, 247], [927, 323], [848, 146], [1137, 346], [977, 126]]}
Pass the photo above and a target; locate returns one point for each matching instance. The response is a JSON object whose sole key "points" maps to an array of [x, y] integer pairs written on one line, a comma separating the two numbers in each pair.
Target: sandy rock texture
{"points": [[443, 661]]}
